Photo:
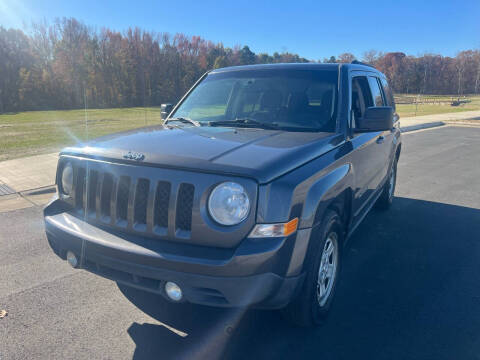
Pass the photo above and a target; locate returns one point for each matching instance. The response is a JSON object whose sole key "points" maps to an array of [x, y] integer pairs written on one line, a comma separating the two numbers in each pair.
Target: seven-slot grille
{"points": [[137, 204]]}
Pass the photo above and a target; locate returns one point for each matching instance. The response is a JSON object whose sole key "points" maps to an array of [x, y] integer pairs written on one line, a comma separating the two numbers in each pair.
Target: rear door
{"points": [[385, 139]]}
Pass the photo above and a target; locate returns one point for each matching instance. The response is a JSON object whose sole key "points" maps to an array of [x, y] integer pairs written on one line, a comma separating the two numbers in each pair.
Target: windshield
{"points": [[288, 99]]}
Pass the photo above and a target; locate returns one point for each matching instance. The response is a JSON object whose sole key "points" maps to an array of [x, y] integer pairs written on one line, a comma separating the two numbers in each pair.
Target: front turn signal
{"points": [[274, 230]]}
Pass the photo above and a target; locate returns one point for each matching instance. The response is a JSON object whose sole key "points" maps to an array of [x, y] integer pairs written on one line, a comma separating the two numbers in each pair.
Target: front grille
{"points": [[135, 204], [148, 203], [184, 207], [122, 198], [80, 187], [141, 199], [106, 195], [162, 198], [92, 180]]}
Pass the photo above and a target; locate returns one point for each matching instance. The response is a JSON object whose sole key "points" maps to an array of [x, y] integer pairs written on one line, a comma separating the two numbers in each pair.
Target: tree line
{"points": [[67, 65]]}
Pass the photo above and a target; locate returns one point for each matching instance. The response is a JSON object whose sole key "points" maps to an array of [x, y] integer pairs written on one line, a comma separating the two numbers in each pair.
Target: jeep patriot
{"points": [[245, 196]]}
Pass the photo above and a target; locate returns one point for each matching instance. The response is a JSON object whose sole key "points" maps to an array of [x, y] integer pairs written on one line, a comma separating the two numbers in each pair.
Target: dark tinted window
{"points": [[361, 98], [292, 99], [376, 91], [388, 92]]}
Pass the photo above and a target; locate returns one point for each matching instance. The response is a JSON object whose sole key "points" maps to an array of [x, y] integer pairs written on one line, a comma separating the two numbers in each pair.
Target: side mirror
{"points": [[376, 119], [165, 110]]}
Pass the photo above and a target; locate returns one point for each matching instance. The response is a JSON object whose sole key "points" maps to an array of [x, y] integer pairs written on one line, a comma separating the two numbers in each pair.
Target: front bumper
{"points": [[263, 273]]}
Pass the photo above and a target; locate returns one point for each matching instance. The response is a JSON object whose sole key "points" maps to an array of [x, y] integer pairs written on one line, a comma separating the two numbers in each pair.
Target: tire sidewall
{"points": [[385, 200], [331, 224], [387, 188]]}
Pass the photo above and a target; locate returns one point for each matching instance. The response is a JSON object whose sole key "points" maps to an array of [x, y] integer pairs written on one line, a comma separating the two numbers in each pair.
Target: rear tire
{"points": [[385, 200], [322, 265]]}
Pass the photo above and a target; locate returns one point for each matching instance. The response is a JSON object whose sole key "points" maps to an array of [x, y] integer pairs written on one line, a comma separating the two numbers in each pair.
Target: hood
{"points": [[256, 153]]}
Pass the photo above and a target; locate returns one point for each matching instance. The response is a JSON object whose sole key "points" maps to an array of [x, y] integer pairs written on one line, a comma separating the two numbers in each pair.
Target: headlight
{"points": [[229, 204], [67, 179]]}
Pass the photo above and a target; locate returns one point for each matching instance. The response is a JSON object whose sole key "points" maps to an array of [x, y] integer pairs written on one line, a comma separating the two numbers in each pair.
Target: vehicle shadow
{"points": [[187, 331], [409, 289]]}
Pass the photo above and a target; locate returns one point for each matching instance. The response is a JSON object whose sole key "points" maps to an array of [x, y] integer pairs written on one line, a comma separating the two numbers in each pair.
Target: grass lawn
{"points": [[37, 132], [407, 110]]}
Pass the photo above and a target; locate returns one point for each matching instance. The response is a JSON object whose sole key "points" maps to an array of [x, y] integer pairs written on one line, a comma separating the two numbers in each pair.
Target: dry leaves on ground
{"points": [[3, 313]]}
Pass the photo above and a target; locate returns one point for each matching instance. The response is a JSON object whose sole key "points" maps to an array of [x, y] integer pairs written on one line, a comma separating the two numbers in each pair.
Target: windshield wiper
{"points": [[243, 122], [184, 120]]}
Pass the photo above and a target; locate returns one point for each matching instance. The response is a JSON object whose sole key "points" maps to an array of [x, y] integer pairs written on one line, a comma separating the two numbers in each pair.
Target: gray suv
{"points": [[245, 196]]}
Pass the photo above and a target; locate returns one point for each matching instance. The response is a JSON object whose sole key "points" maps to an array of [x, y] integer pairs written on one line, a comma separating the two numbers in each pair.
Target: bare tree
{"points": [[460, 65], [477, 77], [371, 57], [346, 58]]}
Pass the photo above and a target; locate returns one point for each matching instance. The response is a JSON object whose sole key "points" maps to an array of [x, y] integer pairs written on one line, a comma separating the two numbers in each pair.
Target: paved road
{"points": [[410, 285]]}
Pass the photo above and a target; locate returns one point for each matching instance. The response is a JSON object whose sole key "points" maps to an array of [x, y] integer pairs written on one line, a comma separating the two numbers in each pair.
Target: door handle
{"points": [[380, 139]]}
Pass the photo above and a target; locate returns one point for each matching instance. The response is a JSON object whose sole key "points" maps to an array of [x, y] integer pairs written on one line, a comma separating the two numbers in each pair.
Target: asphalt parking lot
{"points": [[409, 287]]}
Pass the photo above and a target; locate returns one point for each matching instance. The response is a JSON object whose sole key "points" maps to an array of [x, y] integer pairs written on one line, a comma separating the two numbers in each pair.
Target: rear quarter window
{"points": [[388, 92]]}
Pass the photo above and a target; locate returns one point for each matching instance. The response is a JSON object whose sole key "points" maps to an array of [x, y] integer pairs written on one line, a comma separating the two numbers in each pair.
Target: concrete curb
{"points": [[462, 123], [421, 126]]}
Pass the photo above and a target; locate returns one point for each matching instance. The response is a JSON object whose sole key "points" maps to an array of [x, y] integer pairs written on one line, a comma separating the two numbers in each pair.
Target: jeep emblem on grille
{"points": [[134, 156]]}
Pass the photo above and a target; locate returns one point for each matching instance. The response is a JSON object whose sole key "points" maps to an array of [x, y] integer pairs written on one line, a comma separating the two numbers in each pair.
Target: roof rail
{"points": [[356, 62]]}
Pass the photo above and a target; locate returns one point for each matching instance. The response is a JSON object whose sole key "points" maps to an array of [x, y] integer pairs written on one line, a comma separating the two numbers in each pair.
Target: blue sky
{"points": [[313, 29]]}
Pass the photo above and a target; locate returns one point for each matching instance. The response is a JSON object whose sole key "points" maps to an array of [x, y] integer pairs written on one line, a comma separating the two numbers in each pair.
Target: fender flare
{"points": [[324, 191]]}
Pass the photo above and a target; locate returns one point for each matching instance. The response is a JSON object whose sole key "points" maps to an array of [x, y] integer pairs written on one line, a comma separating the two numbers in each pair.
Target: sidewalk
{"points": [[29, 173], [29, 181]]}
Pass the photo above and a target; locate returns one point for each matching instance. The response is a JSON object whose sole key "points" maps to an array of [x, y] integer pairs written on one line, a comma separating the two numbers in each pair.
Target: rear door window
{"points": [[361, 97], [387, 90], [376, 91]]}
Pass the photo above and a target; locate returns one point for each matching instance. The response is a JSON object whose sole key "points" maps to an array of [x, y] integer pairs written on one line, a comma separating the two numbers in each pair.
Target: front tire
{"points": [[322, 265]]}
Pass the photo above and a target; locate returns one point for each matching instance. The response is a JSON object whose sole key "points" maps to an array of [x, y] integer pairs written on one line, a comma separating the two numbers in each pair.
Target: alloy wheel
{"points": [[327, 271]]}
